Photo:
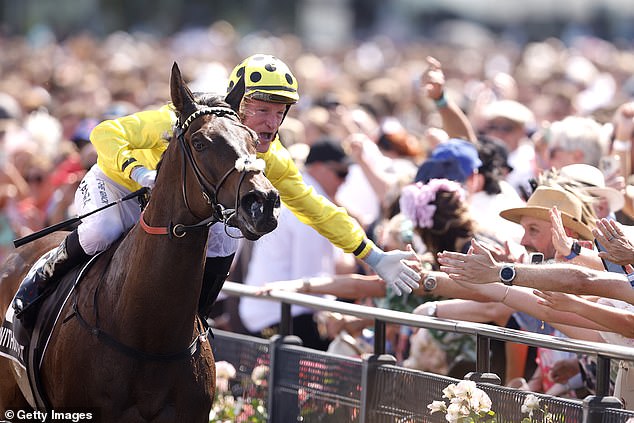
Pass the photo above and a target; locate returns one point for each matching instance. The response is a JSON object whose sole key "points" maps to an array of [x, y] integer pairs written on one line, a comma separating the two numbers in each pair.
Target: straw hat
{"points": [[593, 183], [540, 203]]}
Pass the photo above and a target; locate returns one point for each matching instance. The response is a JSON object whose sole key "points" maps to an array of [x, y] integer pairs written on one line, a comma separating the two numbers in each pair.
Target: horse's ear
{"points": [[182, 97], [234, 97]]}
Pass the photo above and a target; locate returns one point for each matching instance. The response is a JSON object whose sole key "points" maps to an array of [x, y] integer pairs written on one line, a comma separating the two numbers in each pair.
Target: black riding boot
{"points": [[216, 272], [43, 280]]}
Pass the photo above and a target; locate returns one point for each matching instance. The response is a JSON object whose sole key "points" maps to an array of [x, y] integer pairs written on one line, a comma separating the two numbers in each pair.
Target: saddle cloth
{"points": [[28, 358]]}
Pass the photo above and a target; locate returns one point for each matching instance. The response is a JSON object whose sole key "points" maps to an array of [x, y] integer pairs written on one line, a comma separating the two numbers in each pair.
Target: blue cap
{"points": [[83, 130], [464, 152], [440, 169]]}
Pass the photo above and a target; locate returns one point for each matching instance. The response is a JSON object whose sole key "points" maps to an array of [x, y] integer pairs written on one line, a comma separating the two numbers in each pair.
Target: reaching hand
{"points": [[618, 248], [560, 301], [476, 267], [392, 268], [433, 80], [561, 241]]}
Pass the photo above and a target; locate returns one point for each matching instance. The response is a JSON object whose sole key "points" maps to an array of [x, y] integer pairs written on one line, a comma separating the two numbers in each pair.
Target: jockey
{"points": [[261, 90]]}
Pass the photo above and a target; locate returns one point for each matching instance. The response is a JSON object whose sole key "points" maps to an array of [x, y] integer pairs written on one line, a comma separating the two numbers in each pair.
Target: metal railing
{"points": [[361, 383]]}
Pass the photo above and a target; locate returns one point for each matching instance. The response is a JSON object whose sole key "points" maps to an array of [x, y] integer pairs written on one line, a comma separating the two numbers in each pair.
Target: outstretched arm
{"points": [[614, 319], [351, 286], [468, 310], [455, 122], [480, 268]]}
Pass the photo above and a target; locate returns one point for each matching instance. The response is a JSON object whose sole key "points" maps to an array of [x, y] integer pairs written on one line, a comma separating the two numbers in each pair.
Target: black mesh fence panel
{"points": [[313, 386], [317, 387], [245, 353]]}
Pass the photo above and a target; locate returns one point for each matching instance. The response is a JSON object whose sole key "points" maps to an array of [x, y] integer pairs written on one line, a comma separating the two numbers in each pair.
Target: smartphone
{"points": [[536, 258], [607, 264]]}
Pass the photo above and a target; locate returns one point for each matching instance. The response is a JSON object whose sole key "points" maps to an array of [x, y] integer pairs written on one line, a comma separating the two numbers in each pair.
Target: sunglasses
{"points": [[341, 172], [501, 128]]}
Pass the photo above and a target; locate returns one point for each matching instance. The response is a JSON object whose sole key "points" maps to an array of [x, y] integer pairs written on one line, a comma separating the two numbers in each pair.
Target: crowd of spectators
{"points": [[466, 132]]}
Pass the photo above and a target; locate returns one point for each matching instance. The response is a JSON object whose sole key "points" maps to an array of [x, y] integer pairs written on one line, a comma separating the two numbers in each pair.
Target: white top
{"points": [[292, 251], [523, 161], [485, 210]]}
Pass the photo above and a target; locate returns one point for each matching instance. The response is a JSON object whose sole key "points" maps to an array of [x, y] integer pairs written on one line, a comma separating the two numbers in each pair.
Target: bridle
{"points": [[208, 189]]}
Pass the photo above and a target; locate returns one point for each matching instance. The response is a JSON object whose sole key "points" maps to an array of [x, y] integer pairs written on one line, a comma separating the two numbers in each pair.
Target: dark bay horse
{"points": [[151, 361]]}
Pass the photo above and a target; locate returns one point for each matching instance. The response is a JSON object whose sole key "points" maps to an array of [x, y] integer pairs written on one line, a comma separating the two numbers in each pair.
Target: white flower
{"points": [[259, 374], [225, 370], [467, 403], [465, 389], [530, 405], [450, 391], [437, 406], [455, 412], [222, 385]]}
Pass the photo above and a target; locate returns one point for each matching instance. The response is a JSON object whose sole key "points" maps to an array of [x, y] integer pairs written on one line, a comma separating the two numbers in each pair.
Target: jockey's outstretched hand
{"points": [[391, 267], [144, 176]]}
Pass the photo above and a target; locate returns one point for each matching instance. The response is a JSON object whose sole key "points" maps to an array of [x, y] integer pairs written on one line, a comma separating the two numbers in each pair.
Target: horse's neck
{"points": [[163, 281]]}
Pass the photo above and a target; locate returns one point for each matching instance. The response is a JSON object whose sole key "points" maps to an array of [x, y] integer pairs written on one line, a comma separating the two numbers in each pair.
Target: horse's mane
{"points": [[208, 100]]}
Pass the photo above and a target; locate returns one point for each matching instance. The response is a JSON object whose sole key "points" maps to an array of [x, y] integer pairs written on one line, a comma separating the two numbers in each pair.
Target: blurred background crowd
{"points": [[386, 90]]}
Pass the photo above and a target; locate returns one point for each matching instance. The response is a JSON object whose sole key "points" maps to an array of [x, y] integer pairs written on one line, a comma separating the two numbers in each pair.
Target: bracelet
{"points": [[621, 145], [506, 293], [441, 102]]}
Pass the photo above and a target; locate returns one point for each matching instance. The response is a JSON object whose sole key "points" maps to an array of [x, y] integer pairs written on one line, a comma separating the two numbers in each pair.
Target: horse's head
{"points": [[221, 175]]}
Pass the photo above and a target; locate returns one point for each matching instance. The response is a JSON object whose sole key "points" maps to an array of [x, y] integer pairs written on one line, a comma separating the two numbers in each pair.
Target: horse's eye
{"points": [[199, 144]]}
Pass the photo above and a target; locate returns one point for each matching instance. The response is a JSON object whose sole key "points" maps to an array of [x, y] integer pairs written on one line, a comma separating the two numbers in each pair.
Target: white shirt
{"points": [[292, 251], [485, 210], [522, 159]]}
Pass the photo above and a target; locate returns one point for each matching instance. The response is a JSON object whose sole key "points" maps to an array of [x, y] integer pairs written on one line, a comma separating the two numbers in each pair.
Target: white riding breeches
{"points": [[98, 231]]}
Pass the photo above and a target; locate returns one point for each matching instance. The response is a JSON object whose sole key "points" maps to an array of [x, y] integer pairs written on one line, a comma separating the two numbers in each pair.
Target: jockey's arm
{"points": [[333, 222], [311, 208], [130, 141]]}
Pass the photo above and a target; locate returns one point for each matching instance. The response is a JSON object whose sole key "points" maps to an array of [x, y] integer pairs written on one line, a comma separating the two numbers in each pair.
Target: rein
{"points": [[208, 189]]}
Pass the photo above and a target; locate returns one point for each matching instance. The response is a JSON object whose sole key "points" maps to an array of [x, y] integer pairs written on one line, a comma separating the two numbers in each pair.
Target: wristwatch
{"points": [[507, 274], [430, 283], [575, 250]]}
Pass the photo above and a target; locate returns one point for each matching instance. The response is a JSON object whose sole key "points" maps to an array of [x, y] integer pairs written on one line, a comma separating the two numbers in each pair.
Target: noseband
{"points": [[208, 189]]}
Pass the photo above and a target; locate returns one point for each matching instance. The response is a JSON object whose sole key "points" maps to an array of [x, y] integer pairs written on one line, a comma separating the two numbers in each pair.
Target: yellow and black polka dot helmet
{"points": [[262, 77]]}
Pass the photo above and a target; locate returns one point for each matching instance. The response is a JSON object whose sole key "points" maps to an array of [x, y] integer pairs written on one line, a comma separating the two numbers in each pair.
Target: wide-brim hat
{"points": [[542, 200], [593, 182]]}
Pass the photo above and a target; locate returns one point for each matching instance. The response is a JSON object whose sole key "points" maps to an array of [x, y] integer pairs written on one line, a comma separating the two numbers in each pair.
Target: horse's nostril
{"points": [[260, 210], [256, 209]]}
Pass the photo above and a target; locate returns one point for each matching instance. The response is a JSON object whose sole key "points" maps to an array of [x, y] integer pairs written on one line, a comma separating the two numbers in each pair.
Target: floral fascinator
{"points": [[417, 200]]}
